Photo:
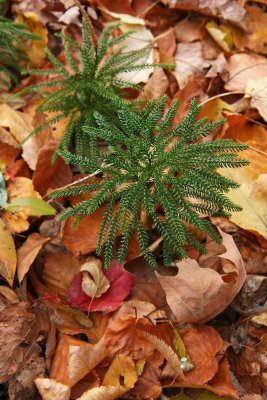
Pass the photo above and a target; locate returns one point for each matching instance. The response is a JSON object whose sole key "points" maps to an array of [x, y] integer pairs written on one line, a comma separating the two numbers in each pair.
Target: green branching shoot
{"points": [[156, 176], [89, 83]]}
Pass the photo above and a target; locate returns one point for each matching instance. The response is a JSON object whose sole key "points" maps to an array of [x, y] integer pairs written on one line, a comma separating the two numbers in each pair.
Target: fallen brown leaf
{"points": [[50, 176], [28, 251]]}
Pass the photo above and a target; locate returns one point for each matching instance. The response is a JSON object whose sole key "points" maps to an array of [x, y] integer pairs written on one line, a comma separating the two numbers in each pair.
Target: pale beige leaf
{"points": [[8, 257], [256, 89], [121, 366], [198, 294], [84, 359], [141, 38], [138, 309], [189, 60], [260, 186], [242, 67], [52, 390], [28, 251], [95, 284], [167, 352], [104, 393]]}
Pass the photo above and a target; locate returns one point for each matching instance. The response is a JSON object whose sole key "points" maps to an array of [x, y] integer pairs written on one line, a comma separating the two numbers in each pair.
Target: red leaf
{"points": [[121, 283]]}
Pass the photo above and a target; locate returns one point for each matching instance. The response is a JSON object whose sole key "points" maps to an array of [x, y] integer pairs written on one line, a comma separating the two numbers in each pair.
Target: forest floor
{"points": [[197, 330]]}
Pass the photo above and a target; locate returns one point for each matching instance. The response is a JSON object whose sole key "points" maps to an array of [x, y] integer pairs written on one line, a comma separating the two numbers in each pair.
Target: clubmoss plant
{"points": [[89, 83], [11, 46], [155, 176]]}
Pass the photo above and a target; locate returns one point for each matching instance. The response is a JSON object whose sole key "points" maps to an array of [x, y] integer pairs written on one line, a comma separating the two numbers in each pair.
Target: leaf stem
{"points": [[88, 22]]}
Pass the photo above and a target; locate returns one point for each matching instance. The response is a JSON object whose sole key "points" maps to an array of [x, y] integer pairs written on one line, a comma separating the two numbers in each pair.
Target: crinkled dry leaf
{"points": [[50, 389], [84, 359], [28, 251], [121, 367], [198, 294], [94, 282], [260, 186]]}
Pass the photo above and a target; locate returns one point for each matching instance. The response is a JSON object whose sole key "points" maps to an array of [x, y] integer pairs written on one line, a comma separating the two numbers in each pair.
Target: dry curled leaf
{"points": [[94, 282]]}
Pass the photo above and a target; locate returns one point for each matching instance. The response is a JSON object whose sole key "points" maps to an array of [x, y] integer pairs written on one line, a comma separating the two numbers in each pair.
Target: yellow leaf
{"points": [[221, 34], [95, 284], [34, 48], [260, 319], [139, 367], [8, 258], [253, 217], [121, 366]]}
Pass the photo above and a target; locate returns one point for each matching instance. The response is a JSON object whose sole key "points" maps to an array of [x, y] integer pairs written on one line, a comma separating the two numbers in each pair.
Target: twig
{"points": [[88, 22]]}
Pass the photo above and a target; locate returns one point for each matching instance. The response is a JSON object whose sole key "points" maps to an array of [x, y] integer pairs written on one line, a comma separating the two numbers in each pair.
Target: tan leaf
{"points": [[18, 123], [95, 284], [256, 89], [167, 352], [138, 309], [198, 294], [121, 366], [28, 251], [189, 60], [52, 390], [104, 393], [84, 359], [141, 38]]}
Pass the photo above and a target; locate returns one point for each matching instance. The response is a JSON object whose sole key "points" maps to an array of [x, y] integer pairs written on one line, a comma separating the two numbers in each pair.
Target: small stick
{"points": [[88, 22]]}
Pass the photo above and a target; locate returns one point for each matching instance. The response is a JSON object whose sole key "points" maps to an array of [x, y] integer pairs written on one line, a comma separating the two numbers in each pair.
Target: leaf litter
{"points": [[197, 330]]}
